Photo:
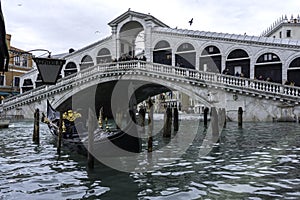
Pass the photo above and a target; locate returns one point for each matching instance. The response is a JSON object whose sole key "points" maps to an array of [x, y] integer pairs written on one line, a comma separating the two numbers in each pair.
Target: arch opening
{"points": [[132, 40], [70, 68], [293, 72], [238, 63], [86, 62], [268, 67], [210, 59], [103, 56], [162, 53], [186, 56]]}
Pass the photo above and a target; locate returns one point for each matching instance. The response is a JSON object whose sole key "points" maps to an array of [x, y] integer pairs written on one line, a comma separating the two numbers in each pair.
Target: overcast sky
{"points": [[58, 25]]}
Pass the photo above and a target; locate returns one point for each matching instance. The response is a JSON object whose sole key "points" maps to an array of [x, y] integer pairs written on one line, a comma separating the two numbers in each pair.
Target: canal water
{"points": [[258, 161]]}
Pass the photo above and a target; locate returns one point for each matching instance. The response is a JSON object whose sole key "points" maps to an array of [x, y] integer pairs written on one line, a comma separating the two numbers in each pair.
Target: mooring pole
{"points": [[167, 123], [150, 127], [214, 124], [240, 117], [90, 140], [142, 116], [176, 119], [223, 112], [60, 132], [205, 113], [36, 127]]}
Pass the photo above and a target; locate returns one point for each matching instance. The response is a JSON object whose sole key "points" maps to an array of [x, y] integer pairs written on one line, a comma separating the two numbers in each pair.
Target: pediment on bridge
{"points": [[132, 14]]}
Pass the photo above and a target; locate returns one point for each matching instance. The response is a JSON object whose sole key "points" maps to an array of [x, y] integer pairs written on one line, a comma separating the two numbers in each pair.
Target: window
{"points": [[24, 61], [17, 60], [288, 33], [16, 81], [269, 56], [280, 34], [2, 80], [185, 46]]}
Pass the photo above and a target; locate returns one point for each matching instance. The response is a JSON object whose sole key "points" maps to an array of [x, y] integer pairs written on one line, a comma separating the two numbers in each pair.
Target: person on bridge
{"points": [[226, 71]]}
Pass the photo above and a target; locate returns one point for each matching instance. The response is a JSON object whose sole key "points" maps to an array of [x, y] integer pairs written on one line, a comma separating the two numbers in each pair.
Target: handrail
{"points": [[208, 78]]}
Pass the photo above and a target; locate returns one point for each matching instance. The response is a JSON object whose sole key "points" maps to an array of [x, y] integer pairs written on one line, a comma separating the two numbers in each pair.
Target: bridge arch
{"points": [[268, 66], [210, 59], [128, 35], [185, 55], [180, 86], [86, 62], [70, 68], [238, 62], [162, 53], [103, 56]]}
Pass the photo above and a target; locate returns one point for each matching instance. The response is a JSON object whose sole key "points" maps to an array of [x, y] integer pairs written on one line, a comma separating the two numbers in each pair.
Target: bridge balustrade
{"points": [[115, 68]]}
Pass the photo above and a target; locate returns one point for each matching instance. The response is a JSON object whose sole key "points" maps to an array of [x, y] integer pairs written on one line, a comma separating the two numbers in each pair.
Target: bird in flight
{"points": [[191, 21]]}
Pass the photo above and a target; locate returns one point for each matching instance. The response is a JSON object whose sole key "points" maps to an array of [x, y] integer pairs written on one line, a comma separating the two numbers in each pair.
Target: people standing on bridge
{"points": [[226, 71], [260, 78], [268, 79]]}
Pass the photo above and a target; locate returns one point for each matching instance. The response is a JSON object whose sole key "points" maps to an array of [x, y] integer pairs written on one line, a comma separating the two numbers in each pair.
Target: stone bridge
{"points": [[260, 100]]}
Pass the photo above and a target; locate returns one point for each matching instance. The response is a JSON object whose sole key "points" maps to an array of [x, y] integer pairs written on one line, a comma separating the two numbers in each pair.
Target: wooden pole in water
{"points": [[240, 117], [224, 115], [36, 127], [150, 127], [167, 123], [214, 124], [206, 109], [90, 140], [176, 119], [142, 116], [60, 132]]}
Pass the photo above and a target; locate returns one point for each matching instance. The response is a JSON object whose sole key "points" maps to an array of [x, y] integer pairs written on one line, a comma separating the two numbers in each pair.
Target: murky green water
{"points": [[260, 161]]}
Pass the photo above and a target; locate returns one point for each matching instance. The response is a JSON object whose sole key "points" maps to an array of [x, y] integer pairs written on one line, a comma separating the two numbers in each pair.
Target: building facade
{"points": [[284, 28], [20, 63]]}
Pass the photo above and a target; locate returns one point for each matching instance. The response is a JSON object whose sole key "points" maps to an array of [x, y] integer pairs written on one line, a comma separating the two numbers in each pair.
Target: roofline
{"points": [[138, 14], [260, 40], [88, 46], [269, 33]]}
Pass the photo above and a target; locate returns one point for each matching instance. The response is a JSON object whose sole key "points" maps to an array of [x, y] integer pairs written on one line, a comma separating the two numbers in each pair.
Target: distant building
{"points": [[20, 63], [284, 28]]}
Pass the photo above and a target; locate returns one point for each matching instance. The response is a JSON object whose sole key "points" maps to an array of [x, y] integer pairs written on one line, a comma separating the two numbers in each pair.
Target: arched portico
{"points": [[293, 72], [238, 63], [268, 67], [70, 68], [131, 38], [162, 53], [211, 59], [186, 56], [86, 62]]}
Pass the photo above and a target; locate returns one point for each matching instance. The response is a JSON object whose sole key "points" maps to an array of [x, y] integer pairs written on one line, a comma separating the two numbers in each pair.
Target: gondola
{"points": [[107, 141]]}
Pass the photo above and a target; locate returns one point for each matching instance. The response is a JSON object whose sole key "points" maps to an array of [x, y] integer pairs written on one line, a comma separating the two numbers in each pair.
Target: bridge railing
{"points": [[208, 78]]}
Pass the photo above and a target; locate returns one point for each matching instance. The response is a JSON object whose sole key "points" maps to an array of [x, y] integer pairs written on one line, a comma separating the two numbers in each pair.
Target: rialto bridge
{"points": [[142, 48]]}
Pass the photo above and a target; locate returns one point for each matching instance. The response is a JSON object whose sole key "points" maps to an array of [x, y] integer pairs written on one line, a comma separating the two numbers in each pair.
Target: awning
{"points": [[8, 93]]}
